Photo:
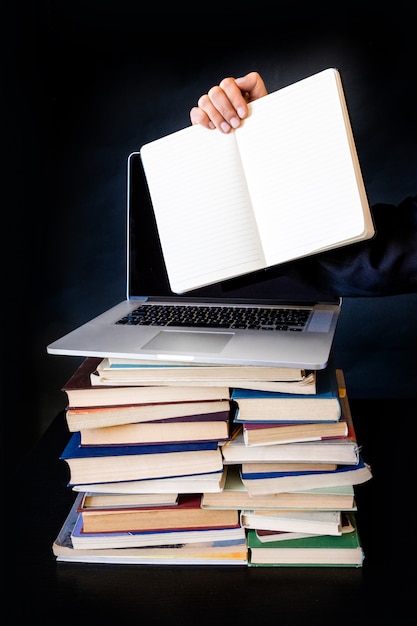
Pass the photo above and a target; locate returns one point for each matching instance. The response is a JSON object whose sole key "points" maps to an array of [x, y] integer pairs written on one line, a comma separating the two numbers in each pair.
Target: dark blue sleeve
{"points": [[383, 265]]}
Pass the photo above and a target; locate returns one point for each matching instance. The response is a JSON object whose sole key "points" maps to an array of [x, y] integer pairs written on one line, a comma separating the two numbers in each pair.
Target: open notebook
{"points": [[286, 184], [303, 340]]}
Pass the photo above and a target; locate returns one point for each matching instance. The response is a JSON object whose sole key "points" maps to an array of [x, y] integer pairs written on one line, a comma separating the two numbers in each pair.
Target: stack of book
{"points": [[202, 464], [145, 445], [296, 462]]}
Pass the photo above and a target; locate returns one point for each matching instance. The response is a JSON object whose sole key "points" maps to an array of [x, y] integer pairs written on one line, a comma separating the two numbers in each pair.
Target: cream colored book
{"points": [[212, 482], [286, 184], [315, 522], [235, 496], [112, 368], [111, 372]]}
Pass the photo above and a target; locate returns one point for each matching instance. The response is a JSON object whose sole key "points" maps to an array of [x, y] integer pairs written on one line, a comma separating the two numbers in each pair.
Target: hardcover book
{"points": [[192, 483], [99, 417], [89, 464], [266, 536], [120, 367], [264, 406], [112, 371], [209, 427], [266, 433], [210, 553], [136, 539], [235, 496], [90, 500], [186, 514], [81, 393], [344, 550], [343, 450], [304, 521], [278, 482]]}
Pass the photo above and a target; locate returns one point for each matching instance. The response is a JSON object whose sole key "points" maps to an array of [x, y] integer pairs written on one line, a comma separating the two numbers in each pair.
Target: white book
{"points": [[339, 450], [212, 482], [286, 184], [316, 522]]}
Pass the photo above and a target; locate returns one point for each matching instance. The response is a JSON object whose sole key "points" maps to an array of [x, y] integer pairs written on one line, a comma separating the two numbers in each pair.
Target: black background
{"points": [[84, 86]]}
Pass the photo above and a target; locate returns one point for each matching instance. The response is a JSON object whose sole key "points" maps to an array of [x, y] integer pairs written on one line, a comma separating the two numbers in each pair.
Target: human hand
{"points": [[225, 105]]}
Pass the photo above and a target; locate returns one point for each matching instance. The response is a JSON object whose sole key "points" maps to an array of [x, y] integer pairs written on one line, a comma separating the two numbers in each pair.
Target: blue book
{"points": [[74, 449], [268, 406], [106, 464], [262, 483], [273, 474]]}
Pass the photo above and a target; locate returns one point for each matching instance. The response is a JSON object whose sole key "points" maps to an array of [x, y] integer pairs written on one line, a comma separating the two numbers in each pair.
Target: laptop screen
{"points": [[147, 274]]}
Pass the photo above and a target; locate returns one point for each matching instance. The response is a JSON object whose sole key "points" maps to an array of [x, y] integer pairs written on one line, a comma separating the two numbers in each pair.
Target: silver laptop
{"points": [[261, 318]]}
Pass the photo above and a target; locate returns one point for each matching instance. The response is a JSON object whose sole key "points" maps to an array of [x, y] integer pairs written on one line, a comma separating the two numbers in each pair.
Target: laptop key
{"points": [[218, 317]]}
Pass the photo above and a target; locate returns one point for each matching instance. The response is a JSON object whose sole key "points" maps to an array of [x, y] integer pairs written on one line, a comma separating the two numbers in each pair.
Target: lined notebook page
{"points": [[305, 183], [201, 203]]}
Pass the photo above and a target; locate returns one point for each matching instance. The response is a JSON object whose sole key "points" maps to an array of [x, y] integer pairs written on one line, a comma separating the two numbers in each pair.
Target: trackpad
{"points": [[188, 341]]}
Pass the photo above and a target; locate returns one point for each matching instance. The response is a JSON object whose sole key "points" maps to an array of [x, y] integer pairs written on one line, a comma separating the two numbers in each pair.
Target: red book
{"points": [[81, 393], [266, 433], [186, 515], [207, 427]]}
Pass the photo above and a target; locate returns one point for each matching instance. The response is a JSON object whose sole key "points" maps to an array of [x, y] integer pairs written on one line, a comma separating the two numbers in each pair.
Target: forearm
{"points": [[384, 265]]}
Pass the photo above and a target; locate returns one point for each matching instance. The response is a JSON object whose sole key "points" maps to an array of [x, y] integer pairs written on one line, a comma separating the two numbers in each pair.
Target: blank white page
{"points": [[200, 199], [303, 177]]}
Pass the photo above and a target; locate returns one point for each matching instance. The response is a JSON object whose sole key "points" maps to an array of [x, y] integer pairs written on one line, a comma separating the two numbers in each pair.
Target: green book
{"points": [[344, 550]]}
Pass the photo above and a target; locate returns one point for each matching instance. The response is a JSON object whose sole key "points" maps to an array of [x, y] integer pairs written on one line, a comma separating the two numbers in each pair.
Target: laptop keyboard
{"points": [[256, 318]]}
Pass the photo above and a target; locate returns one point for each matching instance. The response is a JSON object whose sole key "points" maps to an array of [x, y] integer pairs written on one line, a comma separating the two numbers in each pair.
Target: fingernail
{"points": [[234, 122], [241, 112], [225, 127], [211, 125]]}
